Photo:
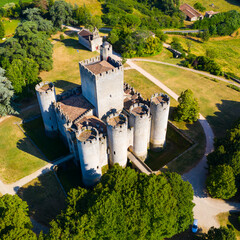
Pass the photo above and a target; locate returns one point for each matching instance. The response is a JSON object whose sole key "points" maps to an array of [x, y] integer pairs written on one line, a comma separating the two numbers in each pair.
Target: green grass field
{"points": [[194, 131], [65, 73], [219, 5], [18, 156], [44, 197], [51, 148], [218, 103], [3, 2]]}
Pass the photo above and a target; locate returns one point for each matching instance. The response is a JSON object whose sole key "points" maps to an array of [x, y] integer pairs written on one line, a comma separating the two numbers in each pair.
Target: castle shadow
{"points": [[24, 145], [65, 85], [73, 43], [228, 113], [233, 2], [44, 197]]}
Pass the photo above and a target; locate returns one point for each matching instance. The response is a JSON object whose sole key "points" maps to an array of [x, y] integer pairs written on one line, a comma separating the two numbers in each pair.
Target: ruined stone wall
{"points": [[85, 42]]}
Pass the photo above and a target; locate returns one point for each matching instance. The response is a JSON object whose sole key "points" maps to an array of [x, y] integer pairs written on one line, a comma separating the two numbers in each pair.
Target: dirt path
{"points": [[206, 208]]}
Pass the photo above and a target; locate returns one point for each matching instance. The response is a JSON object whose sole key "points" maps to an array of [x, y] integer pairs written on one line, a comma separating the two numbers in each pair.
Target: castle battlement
{"points": [[160, 98], [69, 93], [114, 62], [115, 120], [87, 135], [44, 87], [139, 110]]}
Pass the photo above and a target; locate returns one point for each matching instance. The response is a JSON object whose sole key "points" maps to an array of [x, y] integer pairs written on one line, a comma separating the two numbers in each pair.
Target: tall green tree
{"points": [[187, 109], [6, 95], [14, 220], [127, 205], [2, 30], [221, 182], [61, 13]]}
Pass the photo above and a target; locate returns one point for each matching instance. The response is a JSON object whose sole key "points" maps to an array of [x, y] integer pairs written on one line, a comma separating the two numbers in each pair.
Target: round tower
{"points": [[105, 51], [117, 138], [46, 97], [160, 104], [140, 120], [88, 149]]}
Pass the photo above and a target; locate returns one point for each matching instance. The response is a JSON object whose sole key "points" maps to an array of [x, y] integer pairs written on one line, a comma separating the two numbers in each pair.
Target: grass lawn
{"points": [[51, 148], [65, 73], [69, 175], [218, 103], [10, 26], [45, 198], [194, 131], [175, 145], [226, 50], [18, 156], [230, 218], [219, 5], [3, 2], [93, 5]]}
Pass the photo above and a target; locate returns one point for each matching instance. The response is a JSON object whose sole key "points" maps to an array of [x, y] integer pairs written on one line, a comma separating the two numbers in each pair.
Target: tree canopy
{"points": [[187, 109], [222, 233], [6, 95], [127, 205], [14, 220], [226, 153]]}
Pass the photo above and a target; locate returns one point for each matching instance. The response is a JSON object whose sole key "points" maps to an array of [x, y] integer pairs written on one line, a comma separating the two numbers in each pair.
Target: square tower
{"points": [[102, 83]]}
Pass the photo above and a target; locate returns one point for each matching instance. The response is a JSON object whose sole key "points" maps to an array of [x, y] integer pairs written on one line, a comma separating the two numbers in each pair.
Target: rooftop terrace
{"points": [[99, 67]]}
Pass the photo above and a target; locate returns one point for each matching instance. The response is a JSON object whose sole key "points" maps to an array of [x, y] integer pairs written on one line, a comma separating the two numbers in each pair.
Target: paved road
{"points": [[188, 69], [183, 31], [206, 208]]}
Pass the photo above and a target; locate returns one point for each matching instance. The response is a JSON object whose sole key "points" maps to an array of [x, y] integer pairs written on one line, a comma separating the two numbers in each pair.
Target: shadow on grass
{"points": [[227, 114], [233, 219], [233, 2], [65, 85], [51, 148], [44, 198], [73, 43]]}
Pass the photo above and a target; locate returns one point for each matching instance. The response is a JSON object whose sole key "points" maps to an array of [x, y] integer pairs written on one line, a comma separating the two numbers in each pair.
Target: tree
{"points": [[199, 7], [36, 44], [61, 13], [14, 220], [127, 205], [205, 35], [6, 95], [24, 75], [221, 182], [187, 109], [222, 233], [2, 30]]}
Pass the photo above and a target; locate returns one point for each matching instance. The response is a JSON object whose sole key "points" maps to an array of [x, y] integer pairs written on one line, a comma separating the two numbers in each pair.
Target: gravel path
{"points": [[206, 208], [188, 69]]}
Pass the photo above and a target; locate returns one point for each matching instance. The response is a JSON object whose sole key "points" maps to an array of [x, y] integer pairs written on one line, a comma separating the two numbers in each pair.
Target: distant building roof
{"points": [[210, 13], [74, 106], [85, 33], [99, 67], [189, 11]]}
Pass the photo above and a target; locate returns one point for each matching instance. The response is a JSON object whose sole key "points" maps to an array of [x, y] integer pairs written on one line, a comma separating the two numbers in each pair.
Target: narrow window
{"points": [[114, 153]]}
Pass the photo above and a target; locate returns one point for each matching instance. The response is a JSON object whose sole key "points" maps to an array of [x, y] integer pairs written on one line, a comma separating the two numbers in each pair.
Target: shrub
{"points": [[62, 37]]}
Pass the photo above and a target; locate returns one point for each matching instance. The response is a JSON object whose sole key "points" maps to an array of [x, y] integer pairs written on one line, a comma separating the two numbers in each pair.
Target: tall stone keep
{"points": [[46, 97], [140, 120], [160, 104], [88, 148], [117, 138], [102, 84]]}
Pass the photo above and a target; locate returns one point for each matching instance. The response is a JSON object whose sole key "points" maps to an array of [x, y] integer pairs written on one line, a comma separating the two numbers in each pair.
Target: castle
{"points": [[103, 117]]}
